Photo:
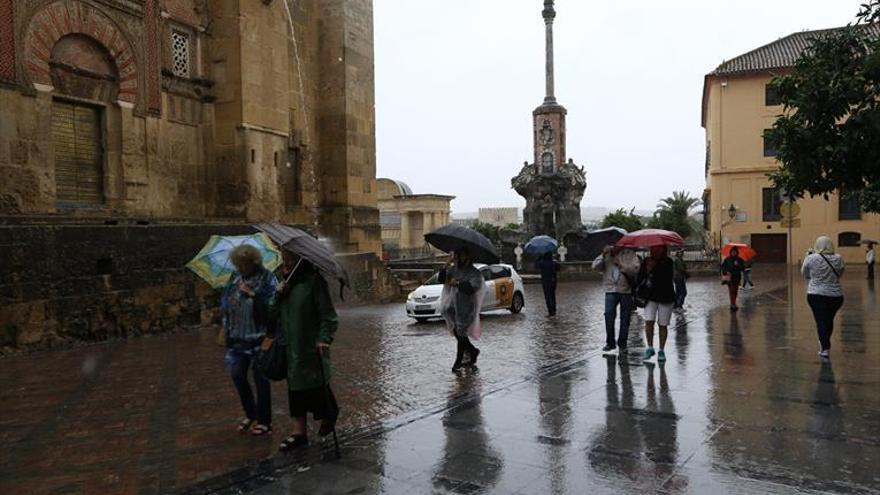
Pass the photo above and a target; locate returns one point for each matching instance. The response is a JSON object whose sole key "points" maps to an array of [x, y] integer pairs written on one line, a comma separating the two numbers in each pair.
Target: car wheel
{"points": [[517, 305], [421, 320]]}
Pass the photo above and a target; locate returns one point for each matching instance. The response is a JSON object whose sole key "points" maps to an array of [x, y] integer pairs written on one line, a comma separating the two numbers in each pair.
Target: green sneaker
{"points": [[661, 356], [649, 353]]}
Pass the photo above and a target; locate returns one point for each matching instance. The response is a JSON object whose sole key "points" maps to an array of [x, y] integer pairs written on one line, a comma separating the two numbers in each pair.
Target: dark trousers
{"points": [[870, 271], [747, 278], [612, 300], [824, 308], [238, 363], [681, 292], [733, 291], [550, 295], [464, 345]]}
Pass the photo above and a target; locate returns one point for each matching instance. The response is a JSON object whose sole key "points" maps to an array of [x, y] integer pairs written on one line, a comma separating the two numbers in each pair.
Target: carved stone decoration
{"points": [[67, 17], [546, 133]]}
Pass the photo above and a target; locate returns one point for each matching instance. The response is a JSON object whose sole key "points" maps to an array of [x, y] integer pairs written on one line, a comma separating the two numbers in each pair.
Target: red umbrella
{"points": [[649, 237], [745, 251]]}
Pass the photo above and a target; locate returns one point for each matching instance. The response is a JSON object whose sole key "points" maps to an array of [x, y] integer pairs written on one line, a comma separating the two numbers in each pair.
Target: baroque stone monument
{"points": [[552, 185]]}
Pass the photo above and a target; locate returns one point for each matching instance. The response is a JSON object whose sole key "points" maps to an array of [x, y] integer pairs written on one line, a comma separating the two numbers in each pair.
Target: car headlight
{"points": [[410, 296]]}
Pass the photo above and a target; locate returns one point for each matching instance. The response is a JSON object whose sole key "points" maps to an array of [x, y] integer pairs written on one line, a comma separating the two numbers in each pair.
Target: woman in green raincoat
{"points": [[308, 322]]}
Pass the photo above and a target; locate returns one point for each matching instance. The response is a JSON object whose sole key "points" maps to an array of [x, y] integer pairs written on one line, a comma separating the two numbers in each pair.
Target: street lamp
{"points": [[731, 213]]}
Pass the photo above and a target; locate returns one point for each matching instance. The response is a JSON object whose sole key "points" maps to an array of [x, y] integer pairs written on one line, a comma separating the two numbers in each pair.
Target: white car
{"points": [[504, 290]]}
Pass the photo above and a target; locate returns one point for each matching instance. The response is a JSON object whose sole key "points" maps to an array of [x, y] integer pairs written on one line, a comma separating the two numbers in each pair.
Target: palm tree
{"points": [[673, 213], [681, 201]]}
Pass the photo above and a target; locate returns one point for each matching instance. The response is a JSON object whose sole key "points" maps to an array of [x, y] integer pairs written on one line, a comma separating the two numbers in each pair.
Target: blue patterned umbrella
{"points": [[213, 263]]}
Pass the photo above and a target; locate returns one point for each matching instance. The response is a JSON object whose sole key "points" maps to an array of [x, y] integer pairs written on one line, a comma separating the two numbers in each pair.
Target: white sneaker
{"points": [[824, 354]]}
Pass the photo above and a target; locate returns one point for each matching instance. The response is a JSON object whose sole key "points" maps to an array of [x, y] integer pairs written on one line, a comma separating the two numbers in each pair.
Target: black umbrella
{"points": [[454, 237], [304, 245]]}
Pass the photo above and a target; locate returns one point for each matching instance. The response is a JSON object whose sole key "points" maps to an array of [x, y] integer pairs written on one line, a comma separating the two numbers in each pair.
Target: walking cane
{"points": [[327, 402]]}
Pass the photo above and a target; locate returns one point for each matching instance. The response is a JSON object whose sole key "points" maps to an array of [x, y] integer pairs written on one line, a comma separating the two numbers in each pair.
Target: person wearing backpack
{"points": [[822, 269], [619, 268]]}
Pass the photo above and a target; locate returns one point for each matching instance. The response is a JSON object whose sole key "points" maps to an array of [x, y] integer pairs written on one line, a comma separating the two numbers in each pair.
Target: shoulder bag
{"points": [[272, 358]]}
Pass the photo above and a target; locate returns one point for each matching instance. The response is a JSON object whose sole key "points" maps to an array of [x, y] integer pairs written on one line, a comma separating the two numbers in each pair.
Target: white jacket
{"points": [[615, 270]]}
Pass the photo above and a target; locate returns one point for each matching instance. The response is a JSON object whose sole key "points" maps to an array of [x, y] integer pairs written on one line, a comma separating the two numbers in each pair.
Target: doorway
{"points": [[79, 154], [771, 248]]}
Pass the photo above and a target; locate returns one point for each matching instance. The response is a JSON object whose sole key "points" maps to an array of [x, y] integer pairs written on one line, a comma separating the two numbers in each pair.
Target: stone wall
{"points": [[85, 282], [65, 283]]}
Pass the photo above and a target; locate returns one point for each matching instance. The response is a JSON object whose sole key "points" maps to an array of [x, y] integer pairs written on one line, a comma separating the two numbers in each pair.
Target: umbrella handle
{"points": [[286, 280]]}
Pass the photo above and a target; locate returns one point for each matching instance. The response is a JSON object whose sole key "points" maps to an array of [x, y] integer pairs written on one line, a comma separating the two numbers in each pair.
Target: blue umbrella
{"points": [[541, 245]]}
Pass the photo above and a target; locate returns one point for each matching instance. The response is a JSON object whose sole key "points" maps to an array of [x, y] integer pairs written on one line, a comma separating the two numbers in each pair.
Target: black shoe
{"points": [[608, 348], [456, 367], [474, 354]]}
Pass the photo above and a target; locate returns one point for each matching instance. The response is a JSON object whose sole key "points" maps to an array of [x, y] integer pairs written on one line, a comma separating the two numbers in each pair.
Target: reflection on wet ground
{"points": [[742, 406]]}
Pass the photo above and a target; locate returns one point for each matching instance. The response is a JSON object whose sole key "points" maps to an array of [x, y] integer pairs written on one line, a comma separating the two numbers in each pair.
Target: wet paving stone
{"points": [[743, 405]]}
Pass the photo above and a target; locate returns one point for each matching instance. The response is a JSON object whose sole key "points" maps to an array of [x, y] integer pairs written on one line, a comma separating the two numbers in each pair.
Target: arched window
{"points": [[848, 239]]}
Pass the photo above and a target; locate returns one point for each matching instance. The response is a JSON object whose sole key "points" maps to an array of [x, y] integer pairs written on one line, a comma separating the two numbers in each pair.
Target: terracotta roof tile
{"points": [[783, 52]]}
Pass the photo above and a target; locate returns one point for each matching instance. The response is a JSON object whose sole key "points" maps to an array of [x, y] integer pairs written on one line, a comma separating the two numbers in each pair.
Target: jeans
{"points": [[612, 299], [237, 363], [550, 296], [870, 271], [824, 308], [681, 292]]}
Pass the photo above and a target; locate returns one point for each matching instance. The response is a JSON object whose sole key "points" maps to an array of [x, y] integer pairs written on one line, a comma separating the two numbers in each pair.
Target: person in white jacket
{"points": [[619, 268], [822, 269]]}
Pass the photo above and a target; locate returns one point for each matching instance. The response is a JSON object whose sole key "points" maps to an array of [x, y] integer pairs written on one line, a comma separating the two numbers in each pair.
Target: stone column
{"points": [[549, 14], [405, 234]]}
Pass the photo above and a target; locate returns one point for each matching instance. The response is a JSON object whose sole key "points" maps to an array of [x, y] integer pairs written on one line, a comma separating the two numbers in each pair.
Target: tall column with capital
{"points": [[549, 14]]}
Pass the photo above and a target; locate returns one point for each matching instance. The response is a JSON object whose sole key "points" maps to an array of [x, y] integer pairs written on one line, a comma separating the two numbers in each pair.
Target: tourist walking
{"points": [[679, 278], [869, 261], [244, 309], [656, 286], [549, 269], [619, 269], [747, 283], [460, 302], [308, 323], [823, 269], [731, 275]]}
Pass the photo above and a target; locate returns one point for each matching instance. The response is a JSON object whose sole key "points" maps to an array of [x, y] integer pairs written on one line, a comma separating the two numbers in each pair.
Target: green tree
{"points": [[487, 229], [674, 213], [828, 139], [626, 220]]}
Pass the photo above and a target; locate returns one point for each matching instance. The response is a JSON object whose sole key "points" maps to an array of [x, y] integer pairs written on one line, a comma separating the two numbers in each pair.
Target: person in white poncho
{"points": [[460, 303]]}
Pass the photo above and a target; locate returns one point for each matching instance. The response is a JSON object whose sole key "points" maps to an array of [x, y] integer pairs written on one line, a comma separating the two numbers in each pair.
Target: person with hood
{"points": [[655, 275], [731, 273], [619, 268], [549, 269], [308, 322], [822, 269], [460, 302]]}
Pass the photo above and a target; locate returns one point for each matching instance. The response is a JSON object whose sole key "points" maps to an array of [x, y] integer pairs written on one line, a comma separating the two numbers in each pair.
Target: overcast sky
{"points": [[457, 80]]}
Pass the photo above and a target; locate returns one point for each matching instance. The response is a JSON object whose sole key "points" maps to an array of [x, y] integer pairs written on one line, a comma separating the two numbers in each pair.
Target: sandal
{"points": [[244, 425], [294, 442], [260, 429]]}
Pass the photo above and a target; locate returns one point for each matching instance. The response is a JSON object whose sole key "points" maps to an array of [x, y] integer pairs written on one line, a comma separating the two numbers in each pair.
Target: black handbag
{"points": [[272, 359], [639, 291]]}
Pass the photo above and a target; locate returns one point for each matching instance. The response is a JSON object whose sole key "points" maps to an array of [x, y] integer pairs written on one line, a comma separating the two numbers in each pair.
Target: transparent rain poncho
{"points": [[461, 306]]}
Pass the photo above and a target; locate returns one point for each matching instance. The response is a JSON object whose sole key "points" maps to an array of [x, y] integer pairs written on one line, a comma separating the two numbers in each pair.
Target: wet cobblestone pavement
{"points": [[742, 406]]}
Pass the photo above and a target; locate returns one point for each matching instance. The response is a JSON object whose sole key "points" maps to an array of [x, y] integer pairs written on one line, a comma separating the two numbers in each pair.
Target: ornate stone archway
{"points": [[67, 17]]}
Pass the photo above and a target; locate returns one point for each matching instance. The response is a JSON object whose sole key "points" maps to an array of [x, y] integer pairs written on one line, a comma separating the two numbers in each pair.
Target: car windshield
{"points": [[434, 280]]}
